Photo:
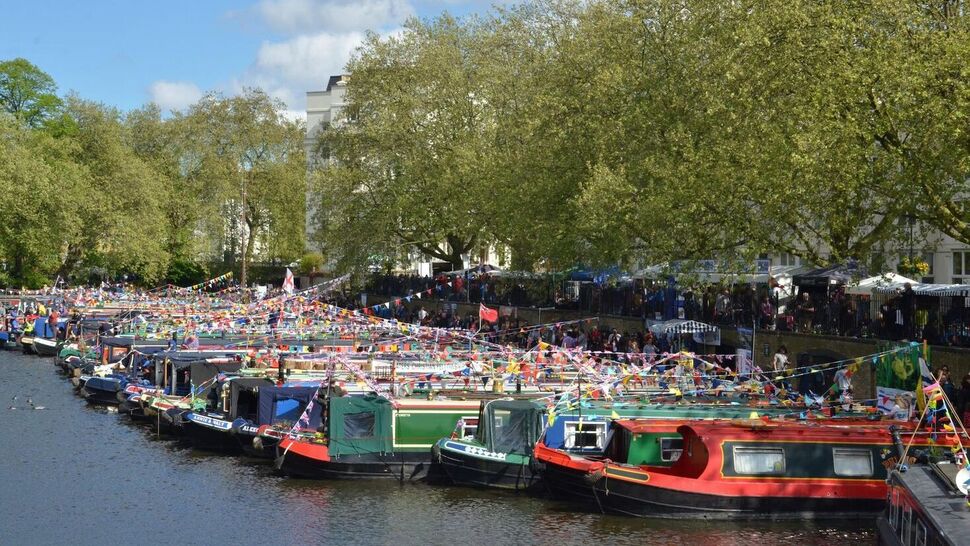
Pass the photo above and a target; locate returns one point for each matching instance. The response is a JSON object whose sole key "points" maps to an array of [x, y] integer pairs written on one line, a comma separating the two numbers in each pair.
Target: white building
{"points": [[322, 110]]}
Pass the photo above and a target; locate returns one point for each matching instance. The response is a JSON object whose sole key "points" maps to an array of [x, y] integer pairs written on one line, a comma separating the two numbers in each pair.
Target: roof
{"points": [[334, 80], [946, 507]]}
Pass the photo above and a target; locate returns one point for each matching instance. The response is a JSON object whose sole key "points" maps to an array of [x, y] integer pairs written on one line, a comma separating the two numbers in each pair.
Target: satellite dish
{"points": [[963, 480]]}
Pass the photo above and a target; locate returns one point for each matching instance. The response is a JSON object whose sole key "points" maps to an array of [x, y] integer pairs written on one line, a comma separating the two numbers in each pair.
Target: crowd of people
{"points": [[898, 316]]}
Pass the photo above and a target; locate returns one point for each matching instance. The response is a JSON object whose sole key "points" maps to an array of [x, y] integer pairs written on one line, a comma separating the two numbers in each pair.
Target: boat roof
{"points": [[942, 503], [438, 404], [819, 431]]}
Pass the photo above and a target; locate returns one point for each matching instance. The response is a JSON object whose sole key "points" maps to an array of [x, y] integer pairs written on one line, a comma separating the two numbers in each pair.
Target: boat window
{"points": [[469, 426], [671, 448], [852, 462], [359, 425], [904, 528], [585, 435], [920, 534], [759, 460], [894, 509]]}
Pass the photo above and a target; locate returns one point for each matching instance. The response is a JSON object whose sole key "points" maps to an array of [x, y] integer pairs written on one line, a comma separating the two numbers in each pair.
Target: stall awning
{"points": [[888, 281], [925, 289], [678, 326]]}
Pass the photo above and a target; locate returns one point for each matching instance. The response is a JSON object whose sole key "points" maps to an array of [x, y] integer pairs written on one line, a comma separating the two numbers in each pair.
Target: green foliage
{"points": [[248, 160], [311, 262], [91, 192], [182, 272], [615, 132], [27, 92]]}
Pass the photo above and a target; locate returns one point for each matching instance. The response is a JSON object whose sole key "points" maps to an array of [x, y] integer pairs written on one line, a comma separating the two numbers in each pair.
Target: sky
{"points": [[126, 53]]}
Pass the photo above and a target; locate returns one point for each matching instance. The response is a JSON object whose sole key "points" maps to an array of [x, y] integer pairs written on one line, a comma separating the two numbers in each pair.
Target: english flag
{"points": [[288, 282], [486, 314]]}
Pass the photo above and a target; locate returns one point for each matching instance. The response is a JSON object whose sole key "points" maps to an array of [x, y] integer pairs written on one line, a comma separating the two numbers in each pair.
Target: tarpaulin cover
{"points": [[240, 385], [287, 404], [202, 372], [360, 424], [512, 426], [42, 328], [108, 384]]}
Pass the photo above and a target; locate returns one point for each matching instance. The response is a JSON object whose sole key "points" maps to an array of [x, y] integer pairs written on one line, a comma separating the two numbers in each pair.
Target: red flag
{"points": [[486, 314]]}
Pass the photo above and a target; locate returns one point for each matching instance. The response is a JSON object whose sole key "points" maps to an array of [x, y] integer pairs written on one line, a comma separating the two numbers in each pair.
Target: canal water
{"points": [[72, 474]]}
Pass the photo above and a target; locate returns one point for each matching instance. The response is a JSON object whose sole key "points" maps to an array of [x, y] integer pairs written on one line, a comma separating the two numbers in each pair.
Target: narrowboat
{"points": [[925, 507], [102, 391], [27, 344], [746, 469], [371, 437], [45, 346], [279, 408], [236, 399]]}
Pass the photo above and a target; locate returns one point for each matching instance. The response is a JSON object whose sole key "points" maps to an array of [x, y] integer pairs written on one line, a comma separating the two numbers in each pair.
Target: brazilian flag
{"points": [[898, 369]]}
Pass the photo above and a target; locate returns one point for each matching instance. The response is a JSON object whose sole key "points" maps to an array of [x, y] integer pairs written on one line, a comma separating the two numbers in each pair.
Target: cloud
{"points": [[174, 95], [307, 60], [333, 16]]}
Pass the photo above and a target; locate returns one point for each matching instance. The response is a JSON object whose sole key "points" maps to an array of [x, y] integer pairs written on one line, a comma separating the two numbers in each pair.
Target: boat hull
{"points": [[99, 397], [462, 468], [45, 347], [27, 345], [213, 435], [312, 461], [603, 493]]}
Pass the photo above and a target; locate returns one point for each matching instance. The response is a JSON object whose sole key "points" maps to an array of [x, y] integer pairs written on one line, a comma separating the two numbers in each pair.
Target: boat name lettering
{"points": [[203, 420]]}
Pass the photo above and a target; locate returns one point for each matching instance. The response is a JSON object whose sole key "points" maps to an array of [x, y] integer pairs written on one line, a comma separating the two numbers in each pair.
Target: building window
{"points": [[759, 460], [585, 435], [670, 449], [961, 266], [787, 259], [852, 462], [930, 275]]}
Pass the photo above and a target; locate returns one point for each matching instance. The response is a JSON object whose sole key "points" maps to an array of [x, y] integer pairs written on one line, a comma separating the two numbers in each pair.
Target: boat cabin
{"points": [[925, 508], [510, 426]]}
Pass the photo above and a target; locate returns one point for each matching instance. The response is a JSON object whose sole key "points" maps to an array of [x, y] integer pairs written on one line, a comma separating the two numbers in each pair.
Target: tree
{"points": [[27, 92], [120, 223], [406, 172], [250, 162], [38, 179]]}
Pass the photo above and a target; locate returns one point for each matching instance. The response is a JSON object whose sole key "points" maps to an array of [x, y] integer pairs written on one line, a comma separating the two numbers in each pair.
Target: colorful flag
{"points": [[486, 314], [288, 286]]}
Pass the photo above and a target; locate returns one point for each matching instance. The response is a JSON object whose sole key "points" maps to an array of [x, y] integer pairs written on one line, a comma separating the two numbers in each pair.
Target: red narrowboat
{"points": [[732, 469]]}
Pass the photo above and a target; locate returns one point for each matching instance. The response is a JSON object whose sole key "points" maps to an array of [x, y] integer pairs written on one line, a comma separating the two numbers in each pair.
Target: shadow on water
{"points": [[82, 475]]}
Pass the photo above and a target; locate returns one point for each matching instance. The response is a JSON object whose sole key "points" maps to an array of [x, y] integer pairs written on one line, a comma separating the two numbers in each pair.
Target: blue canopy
{"points": [[287, 403], [42, 328]]}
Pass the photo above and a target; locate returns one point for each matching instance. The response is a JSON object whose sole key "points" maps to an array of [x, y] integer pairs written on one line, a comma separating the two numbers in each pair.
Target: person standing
{"points": [[780, 362], [806, 313], [907, 306]]}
